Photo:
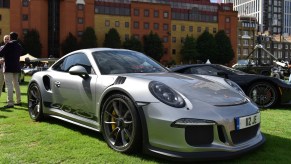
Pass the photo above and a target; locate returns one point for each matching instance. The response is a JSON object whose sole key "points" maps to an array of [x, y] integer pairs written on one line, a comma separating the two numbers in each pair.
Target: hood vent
{"points": [[119, 80]]}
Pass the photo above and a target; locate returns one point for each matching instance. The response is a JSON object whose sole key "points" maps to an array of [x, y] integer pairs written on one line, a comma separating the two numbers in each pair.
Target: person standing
{"points": [[11, 53], [6, 39]]}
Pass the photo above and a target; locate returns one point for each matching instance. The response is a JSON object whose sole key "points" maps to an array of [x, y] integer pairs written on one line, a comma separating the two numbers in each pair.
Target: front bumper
{"points": [[217, 140]]}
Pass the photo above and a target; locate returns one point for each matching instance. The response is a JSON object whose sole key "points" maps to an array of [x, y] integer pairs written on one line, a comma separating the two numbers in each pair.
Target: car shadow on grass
{"points": [[98, 136], [265, 152]]}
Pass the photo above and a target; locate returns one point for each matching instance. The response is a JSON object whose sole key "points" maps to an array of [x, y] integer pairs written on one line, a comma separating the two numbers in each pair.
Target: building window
{"points": [[165, 27], [198, 29], [146, 13], [275, 45], [0, 17], [156, 13], [126, 24], [107, 23], [227, 19], [146, 25], [117, 24], [214, 30], [165, 39], [80, 7], [135, 24], [286, 46], [165, 51], [166, 14], [245, 51], [25, 3], [80, 33], [206, 29], [182, 28], [136, 12], [156, 26], [136, 37], [174, 39], [80, 20], [191, 28], [174, 27], [182, 39], [24, 17], [0, 31], [126, 37], [174, 51], [245, 42], [25, 31]]}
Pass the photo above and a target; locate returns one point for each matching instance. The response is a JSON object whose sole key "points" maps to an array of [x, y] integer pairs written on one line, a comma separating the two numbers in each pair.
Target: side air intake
{"points": [[119, 80]]}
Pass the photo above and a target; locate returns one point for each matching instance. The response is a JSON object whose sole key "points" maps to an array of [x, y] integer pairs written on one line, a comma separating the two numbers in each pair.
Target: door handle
{"points": [[57, 84]]}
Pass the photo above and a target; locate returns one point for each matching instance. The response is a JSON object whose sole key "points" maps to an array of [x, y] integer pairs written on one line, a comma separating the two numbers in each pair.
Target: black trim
{"points": [[198, 156]]}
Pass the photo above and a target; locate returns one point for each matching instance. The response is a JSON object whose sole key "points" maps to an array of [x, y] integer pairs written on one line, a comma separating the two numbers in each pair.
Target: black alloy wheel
{"points": [[263, 94], [121, 124]]}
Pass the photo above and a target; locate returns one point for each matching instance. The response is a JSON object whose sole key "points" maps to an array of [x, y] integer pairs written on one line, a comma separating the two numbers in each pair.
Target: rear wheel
{"points": [[121, 124], [264, 94], [35, 103]]}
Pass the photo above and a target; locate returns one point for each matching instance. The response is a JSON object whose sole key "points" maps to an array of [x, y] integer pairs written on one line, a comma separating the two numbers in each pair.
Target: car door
{"points": [[73, 95]]}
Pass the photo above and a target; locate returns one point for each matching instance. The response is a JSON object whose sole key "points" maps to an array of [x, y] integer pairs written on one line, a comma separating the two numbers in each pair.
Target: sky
{"points": [[213, 0]]}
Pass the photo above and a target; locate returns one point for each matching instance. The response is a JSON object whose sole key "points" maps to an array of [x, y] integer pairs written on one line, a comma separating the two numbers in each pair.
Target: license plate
{"points": [[247, 121]]}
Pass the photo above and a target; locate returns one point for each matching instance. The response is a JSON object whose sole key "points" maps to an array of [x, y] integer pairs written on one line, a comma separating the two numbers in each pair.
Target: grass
{"points": [[52, 141]]}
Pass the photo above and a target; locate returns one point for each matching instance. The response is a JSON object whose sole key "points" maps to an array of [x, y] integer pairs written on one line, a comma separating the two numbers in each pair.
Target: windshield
{"points": [[117, 62], [233, 70]]}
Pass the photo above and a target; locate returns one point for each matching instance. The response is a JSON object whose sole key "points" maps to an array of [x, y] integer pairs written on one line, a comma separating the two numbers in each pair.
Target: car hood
{"points": [[198, 88]]}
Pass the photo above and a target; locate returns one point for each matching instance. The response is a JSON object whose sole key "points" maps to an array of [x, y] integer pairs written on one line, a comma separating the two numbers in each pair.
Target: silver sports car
{"points": [[137, 104]]}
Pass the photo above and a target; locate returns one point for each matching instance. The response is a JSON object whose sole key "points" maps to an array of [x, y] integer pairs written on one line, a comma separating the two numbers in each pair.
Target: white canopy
{"points": [[22, 58]]}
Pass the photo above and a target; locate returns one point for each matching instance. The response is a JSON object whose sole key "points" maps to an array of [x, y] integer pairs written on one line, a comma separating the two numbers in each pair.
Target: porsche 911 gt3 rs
{"points": [[137, 104]]}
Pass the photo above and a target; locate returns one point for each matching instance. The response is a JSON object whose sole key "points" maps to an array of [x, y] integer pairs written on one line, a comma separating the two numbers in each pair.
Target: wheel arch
{"points": [[119, 91], [140, 114], [264, 81], [272, 83]]}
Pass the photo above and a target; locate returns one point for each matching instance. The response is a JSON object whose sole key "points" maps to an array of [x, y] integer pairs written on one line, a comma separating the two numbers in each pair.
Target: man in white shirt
{"points": [[6, 39]]}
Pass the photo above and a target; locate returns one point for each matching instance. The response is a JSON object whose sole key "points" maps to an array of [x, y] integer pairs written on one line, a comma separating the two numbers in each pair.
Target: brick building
{"points": [[172, 20]]}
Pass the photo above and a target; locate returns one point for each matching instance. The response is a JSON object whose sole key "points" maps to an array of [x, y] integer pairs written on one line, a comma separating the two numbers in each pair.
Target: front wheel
{"points": [[264, 94], [121, 124], [35, 102]]}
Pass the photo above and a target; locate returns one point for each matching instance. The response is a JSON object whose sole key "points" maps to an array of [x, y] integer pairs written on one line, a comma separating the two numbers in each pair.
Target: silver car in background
{"points": [[137, 104]]}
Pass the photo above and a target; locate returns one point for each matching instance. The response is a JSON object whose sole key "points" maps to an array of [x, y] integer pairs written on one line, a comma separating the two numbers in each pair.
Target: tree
{"points": [[112, 39], [188, 50], [31, 43], [88, 39], [153, 46], [206, 47], [70, 44], [225, 52], [133, 44]]}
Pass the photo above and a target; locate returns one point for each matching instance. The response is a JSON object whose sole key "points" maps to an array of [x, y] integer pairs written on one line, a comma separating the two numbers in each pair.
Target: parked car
{"points": [[265, 91], [137, 104], [249, 66]]}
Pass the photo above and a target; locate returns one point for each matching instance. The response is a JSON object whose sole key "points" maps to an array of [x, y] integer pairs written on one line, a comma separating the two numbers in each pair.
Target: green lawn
{"points": [[52, 141]]}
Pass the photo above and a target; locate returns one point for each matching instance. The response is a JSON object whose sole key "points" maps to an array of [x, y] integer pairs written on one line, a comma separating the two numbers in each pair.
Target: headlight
{"points": [[166, 95], [234, 85]]}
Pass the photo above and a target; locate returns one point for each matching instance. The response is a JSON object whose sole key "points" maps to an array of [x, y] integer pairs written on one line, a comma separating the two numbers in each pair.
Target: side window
{"points": [[72, 60], [207, 70]]}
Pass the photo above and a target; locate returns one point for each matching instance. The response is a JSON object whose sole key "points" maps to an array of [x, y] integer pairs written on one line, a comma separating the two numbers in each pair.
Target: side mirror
{"points": [[222, 74], [80, 71]]}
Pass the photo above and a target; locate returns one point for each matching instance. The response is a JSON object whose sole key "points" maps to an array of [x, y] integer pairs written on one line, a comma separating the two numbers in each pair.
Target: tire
{"points": [[35, 107], [121, 127], [264, 94]]}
